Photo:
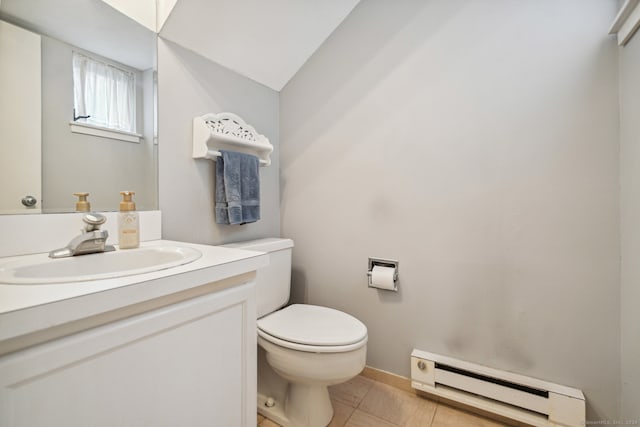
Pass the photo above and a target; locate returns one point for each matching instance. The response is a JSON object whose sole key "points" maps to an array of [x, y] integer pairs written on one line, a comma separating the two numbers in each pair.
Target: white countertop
{"points": [[26, 308]]}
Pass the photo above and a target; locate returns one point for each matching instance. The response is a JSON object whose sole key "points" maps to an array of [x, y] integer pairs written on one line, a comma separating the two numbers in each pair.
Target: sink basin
{"points": [[40, 269]]}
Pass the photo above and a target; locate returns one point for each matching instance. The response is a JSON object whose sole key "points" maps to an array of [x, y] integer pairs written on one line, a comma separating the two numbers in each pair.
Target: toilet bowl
{"points": [[312, 348], [303, 348]]}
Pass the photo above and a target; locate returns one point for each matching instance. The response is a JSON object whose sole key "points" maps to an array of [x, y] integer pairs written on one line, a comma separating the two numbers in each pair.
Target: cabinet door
{"points": [[188, 364]]}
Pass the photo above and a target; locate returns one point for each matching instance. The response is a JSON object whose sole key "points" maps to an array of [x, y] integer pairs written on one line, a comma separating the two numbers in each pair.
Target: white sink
{"points": [[40, 269]]}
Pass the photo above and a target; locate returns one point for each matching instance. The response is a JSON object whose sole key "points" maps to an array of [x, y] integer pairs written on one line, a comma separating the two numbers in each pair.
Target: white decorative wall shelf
{"points": [[627, 22], [227, 131]]}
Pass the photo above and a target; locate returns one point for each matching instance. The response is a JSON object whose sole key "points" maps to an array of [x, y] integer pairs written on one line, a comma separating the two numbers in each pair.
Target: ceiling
{"points": [[88, 24], [265, 40]]}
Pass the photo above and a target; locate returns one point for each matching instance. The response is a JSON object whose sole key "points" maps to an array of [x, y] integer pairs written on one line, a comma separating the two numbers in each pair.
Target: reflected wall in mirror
{"points": [[44, 153]]}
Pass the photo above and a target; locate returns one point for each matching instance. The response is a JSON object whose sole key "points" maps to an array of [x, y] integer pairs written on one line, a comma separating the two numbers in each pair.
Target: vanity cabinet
{"points": [[190, 361]]}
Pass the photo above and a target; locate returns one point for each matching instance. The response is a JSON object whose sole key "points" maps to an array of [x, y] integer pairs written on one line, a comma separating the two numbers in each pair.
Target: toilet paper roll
{"points": [[382, 277]]}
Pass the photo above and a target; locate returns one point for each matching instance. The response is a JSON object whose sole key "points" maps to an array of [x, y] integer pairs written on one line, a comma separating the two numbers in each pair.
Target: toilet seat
{"points": [[313, 329]]}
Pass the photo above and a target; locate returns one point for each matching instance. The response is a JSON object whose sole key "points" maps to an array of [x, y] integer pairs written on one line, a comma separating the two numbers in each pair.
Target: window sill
{"points": [[87, 129]]}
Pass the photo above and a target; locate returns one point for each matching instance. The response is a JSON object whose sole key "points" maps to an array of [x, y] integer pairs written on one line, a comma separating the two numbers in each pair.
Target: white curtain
{"points": [[105, 93]]}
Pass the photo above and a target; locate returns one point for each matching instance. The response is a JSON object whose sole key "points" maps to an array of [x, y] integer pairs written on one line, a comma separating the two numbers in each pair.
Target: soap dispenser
{"points": [[82, 205], [128, 222]]}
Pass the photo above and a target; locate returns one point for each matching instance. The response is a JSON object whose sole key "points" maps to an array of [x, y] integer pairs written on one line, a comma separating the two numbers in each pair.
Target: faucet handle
{"points": [[94, 221]]}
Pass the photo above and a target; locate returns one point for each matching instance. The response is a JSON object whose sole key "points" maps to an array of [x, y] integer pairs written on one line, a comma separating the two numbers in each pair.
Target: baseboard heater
{"points": [[524, 399]]}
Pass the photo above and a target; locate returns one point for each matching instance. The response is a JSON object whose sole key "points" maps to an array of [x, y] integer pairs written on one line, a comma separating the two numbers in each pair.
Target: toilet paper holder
{"points": [[383, 263]]}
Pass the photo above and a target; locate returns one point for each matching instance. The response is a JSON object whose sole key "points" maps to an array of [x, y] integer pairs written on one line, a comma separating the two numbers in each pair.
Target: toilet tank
{"points": [[273, 282]]}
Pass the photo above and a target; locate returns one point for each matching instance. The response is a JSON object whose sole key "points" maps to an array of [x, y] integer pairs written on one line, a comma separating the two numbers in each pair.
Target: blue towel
{"points": [[237, 198]]}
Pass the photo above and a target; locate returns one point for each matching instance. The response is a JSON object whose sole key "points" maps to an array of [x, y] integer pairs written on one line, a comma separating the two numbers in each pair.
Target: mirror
{"points": [[44, 153]]}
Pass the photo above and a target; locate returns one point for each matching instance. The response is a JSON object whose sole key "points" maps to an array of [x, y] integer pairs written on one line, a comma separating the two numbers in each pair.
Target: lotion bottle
{"points": [[128, 222]]}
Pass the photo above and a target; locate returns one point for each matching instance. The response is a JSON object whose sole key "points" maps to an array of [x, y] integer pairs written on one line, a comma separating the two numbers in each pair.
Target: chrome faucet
{"points": [[91, 239]]}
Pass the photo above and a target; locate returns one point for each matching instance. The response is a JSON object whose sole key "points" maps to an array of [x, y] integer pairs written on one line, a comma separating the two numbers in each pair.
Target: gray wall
{"points": [[475, 142], [191, 86], [75, 162], [630, 227]]}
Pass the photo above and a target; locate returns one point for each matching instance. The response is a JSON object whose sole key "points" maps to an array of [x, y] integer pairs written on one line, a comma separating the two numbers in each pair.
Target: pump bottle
{"points": [[128, 222], [82, 205]]}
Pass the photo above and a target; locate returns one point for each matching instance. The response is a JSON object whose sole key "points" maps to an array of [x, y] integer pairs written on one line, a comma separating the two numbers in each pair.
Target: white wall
{"points": [[630, 227], [189, 86], [475, 142]]}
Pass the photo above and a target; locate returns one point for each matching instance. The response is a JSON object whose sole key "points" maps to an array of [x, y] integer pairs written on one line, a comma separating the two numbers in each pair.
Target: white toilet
{"points": [[302, 348]]}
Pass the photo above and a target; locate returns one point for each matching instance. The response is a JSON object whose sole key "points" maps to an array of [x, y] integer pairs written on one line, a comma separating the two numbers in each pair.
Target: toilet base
{"points": [[309, 405], [306, 406]]}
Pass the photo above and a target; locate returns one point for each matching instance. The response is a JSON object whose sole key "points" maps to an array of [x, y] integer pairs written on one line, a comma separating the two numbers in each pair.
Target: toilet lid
{"points": [[313, 325]]}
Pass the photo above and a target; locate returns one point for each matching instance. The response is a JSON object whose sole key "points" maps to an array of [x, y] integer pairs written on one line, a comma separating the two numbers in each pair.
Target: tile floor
{"points": [[363, 402]]}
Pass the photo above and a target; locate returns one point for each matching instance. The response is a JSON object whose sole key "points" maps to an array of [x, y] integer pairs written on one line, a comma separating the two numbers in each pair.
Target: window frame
{"points": [[87, 128]]}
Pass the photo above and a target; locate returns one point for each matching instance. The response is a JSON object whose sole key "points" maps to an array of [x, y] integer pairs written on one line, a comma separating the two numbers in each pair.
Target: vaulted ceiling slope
{"points": [[265, 40], [87, 24]]}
